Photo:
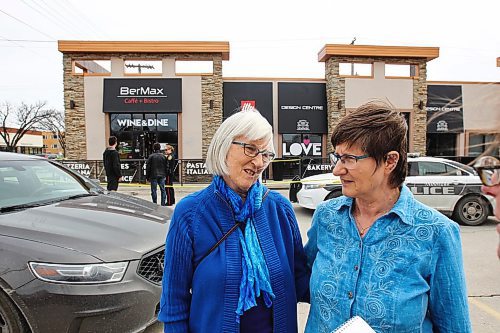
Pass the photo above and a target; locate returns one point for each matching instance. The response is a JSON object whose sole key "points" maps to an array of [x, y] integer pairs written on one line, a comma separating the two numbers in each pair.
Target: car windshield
{"points": [[464, 167], [31, 182]]}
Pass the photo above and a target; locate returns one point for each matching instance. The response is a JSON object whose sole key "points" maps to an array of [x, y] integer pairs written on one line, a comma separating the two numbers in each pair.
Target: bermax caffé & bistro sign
{"points": [[142, 95]]}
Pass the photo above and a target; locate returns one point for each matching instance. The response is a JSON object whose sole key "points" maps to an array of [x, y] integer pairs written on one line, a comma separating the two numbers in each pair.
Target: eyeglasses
{"points": [[488, 169], [348, 161], [252, 151]]}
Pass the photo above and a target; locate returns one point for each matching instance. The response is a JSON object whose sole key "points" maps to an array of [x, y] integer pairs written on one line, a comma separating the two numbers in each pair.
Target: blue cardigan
{"points": [[205, 299]]}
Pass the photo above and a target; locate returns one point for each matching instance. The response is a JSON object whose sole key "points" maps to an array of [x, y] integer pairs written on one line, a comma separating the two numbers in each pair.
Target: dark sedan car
{"points": [[73, 257]]}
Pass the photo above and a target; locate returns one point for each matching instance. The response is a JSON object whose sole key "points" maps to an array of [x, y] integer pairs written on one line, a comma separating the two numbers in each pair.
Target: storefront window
{"points": [[121, 122], [479, 143], [138, 132], [167, 122], [441, 144], [302, 145]]}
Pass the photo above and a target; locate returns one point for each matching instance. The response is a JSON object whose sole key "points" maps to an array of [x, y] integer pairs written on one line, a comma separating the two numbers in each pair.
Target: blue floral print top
{"points": [[406, 275]]}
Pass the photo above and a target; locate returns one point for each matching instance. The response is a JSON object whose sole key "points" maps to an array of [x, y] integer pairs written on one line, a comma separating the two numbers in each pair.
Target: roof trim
{"points": [[271, 79], [70, 46], [330, 50]]}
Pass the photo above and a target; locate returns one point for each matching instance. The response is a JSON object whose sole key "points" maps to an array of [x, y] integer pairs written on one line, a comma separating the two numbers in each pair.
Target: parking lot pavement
{"points": [[482, 267]]}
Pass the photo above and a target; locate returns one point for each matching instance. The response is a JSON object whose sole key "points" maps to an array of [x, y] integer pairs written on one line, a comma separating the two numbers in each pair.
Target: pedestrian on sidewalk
{"points": [[156, 173], [169, 182], [111, 161], [234, 258]]}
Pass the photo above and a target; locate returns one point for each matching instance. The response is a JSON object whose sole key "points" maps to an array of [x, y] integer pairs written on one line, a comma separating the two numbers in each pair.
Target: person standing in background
{"points": [[111, 160], [171, 164], [156, 173]]}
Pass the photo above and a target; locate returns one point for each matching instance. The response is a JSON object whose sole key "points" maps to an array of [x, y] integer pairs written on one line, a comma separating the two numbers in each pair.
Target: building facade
{"points": [[52, 144], [31, 142], [146, 92]]}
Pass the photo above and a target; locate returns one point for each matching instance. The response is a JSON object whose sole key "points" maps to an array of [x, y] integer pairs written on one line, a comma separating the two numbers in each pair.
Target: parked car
{"points": [[448, 186], [74, 257], [50, 156]]}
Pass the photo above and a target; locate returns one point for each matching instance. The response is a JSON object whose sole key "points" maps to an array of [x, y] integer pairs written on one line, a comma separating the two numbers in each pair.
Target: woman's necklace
{"points": [[361, 229]]}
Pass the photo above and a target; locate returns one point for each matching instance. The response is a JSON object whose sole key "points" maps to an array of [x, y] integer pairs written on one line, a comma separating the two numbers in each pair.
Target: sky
{"points": [[271, 38]]}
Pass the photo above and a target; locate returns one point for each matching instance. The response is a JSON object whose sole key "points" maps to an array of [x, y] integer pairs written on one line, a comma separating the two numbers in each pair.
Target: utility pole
{"points": [[139, 67], [352, 64]]}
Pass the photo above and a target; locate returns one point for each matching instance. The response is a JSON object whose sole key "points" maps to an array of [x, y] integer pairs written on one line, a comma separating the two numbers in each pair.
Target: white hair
{"points": [[247, 123]]}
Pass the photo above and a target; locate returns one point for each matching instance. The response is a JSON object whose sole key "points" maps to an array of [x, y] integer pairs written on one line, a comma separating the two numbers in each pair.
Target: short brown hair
{"points": [[112, 140], [378, 129]]}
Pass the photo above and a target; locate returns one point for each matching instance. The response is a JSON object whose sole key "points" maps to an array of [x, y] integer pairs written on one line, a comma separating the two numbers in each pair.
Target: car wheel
{"points": [[334, 194], [11, 321], [471, 210]]}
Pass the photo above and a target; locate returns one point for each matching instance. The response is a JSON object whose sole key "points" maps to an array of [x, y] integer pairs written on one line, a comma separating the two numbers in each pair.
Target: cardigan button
{"points": [[350, 294], [356, 267]]}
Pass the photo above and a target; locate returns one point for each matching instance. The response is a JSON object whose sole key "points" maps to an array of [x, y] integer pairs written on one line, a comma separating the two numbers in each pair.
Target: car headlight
{"points": [[313, 186], [79, 274]]}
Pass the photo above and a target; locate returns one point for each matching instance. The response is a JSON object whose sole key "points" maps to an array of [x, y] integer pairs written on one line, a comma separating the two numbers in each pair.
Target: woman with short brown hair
{"points": [[376, 252]]}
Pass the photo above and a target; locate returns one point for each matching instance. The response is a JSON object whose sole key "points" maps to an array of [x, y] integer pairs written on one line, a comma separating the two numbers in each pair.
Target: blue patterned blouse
{"points": [[406, 275]]}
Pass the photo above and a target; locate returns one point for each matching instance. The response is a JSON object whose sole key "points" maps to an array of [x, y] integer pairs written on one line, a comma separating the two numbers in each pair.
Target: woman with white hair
{"points": [[234, 260]]}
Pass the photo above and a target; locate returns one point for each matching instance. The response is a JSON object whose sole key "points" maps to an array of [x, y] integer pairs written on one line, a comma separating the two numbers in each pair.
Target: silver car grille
{"points": [[151, 266]]}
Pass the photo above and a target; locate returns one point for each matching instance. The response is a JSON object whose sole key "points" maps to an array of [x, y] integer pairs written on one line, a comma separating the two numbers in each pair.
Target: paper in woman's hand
{"points": [[355, 325]]}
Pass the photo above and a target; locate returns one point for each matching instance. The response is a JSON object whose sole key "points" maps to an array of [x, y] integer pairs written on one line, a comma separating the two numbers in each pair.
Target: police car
{"points": [[448, 186]]}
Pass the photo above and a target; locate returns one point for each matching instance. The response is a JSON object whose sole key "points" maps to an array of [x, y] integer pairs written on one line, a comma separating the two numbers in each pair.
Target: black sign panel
{"points": [[444, 109], [142, 95], [302, 107], [257, 94]]}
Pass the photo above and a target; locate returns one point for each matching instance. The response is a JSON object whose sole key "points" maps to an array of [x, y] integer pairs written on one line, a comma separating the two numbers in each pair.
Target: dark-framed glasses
{"points": [[488, 169], [252, 151], [348, 161]]}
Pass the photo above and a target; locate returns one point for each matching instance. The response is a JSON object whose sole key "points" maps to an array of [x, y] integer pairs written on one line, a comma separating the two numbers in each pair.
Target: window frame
{"points": [[74, 64], [371, 76], [416, 75]]}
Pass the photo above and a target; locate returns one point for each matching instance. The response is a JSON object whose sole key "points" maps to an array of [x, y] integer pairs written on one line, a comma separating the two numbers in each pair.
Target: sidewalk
{"points": [[140, 190]]}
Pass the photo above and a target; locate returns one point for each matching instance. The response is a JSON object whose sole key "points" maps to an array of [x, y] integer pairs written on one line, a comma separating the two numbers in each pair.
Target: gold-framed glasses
{"points": [[488, 169], [252, 151], [348, 161]]}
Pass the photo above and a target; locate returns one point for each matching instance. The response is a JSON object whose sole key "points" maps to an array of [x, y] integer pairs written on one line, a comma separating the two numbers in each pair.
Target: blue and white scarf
{"points": [[255, 277]]}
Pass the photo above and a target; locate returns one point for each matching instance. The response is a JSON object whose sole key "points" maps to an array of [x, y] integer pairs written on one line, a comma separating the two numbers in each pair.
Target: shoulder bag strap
{"points": [[226, 235]]}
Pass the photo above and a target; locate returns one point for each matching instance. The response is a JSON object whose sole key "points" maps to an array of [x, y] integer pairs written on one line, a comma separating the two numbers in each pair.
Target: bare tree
{"points": [[55, 124], [26, 117]]}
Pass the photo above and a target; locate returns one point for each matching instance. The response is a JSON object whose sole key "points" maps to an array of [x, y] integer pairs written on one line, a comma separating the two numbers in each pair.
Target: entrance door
{"points": [[149, 141], [145, 142]]}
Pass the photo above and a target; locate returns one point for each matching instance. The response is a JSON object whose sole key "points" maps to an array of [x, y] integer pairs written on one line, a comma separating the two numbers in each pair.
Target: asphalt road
{"points": [[482, 267]]}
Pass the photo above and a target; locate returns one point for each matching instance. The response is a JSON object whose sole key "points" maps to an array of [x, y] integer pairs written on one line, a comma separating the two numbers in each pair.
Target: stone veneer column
{"points": [[335, 92], [76, 141], [420, 116], [211, 89]]}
